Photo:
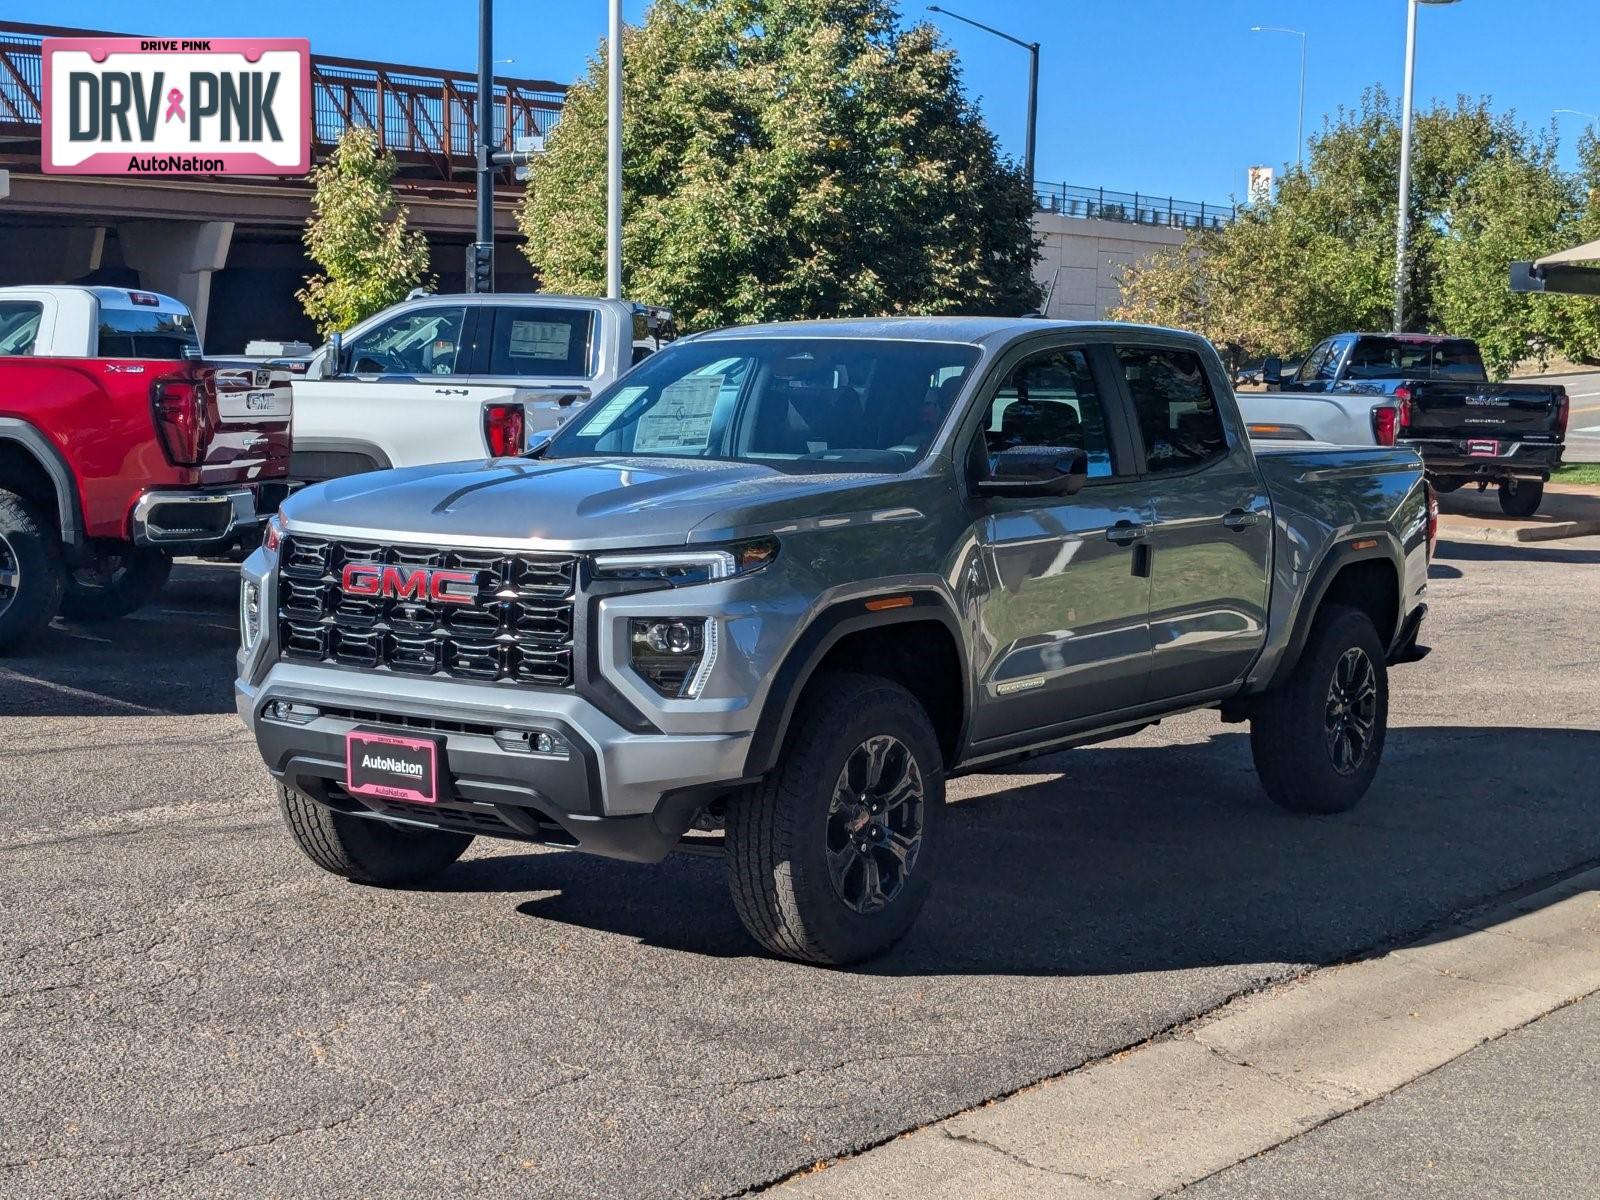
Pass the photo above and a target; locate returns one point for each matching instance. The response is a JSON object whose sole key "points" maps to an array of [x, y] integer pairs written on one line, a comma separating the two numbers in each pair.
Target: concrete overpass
{"points": [[229, 246]]}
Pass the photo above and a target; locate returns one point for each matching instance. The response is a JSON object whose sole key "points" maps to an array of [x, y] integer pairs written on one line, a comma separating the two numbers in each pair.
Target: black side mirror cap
{"points": [[1272, 371], [1036, 471]]}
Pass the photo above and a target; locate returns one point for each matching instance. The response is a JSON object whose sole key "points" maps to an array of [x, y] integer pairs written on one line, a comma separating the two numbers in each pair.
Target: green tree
{"points": [[786, 159], [358, 236], [1318, 257]]}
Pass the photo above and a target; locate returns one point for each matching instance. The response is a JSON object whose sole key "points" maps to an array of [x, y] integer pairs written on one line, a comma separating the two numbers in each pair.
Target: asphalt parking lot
{"points": [[191, 1009]]}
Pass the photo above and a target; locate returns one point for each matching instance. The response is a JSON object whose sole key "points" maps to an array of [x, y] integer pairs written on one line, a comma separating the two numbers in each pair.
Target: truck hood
{"points": [[590, 503]]}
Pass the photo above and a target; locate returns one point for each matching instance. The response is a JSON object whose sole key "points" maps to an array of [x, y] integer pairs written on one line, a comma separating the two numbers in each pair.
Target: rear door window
{"points": [[19, 326], [541, 341], [1178, 418]]}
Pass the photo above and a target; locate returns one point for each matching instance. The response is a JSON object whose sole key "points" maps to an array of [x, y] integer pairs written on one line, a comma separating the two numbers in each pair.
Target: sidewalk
{"points": [[1518, 1117], [1437, 1069], [1569, 510]]}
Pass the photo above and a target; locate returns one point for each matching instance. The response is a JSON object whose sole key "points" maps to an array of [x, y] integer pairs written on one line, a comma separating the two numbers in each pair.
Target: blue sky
{"points": [[1167, 97]]}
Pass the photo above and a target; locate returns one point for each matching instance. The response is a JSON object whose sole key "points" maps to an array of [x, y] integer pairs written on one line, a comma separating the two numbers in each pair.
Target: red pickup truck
{"points": [[121, 446]]}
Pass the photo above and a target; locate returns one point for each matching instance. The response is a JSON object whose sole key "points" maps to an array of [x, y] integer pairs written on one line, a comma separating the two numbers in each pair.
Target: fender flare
{"points": [[1339, 556], [38, 447], [344, 447], [825, 631]]}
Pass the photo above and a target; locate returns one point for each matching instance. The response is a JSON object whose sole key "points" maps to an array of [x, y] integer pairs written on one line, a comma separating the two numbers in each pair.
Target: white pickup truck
{"points": [[445, 378]]}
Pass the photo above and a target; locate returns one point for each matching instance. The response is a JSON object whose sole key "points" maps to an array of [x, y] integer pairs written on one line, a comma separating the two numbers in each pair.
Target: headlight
{"points": [[685, 568], [249, 613], [674, 655]]}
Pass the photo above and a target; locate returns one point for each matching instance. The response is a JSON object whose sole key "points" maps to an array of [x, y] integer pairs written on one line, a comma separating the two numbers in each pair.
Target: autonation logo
{"points": [[397, 766], [153, 106]]}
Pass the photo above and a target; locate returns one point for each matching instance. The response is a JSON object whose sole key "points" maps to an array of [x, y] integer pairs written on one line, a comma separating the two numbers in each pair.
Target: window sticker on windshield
{"points": [[681, 419], [610, 411], [541, 339]]}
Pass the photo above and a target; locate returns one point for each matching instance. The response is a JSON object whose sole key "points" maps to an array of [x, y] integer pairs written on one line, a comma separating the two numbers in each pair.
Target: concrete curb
{"points": [[1257, 1072], [1555, 533]]}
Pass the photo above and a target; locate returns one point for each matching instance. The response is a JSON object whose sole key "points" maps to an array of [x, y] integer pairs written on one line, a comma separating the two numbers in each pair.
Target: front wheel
{"points": [[1521, 497], [830, 857], [114, 584], [1318, 739], [364, 850]]}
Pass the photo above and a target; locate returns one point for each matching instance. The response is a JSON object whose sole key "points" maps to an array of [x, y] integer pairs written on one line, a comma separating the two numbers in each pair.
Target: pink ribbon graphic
{"points": [[174, 106]]}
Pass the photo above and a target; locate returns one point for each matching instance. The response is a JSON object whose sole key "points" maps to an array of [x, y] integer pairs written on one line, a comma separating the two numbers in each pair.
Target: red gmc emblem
{"points": [[410, 583]]}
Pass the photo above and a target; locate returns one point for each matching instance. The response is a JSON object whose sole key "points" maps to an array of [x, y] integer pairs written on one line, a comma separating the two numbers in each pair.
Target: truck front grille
{"points": [[518, 627]]}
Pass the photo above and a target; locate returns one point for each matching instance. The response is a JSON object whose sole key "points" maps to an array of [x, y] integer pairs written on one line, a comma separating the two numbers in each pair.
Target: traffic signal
{"points": [[480, 266]]}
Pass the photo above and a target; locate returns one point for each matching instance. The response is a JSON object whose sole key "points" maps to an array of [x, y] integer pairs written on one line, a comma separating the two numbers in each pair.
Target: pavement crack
{"points": [[1059, 1172]]}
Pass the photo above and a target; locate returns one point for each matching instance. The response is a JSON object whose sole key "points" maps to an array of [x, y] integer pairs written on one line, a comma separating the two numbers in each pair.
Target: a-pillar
{"points": [[178, 259]]}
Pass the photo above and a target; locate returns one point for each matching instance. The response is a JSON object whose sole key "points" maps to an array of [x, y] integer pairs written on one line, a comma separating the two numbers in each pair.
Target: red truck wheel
{"points": [[114, 585], [31, 571]]}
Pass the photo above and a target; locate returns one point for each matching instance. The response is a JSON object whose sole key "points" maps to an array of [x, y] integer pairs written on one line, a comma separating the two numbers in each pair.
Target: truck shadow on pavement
{"points": [[1112, 860], [1531, 552], [175, 657]]}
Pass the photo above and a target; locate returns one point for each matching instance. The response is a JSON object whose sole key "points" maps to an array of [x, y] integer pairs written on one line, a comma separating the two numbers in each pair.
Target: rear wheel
{"points": [[364, 850], [31, 571], [1317, 740], [114, 584], [830, 857], [1521, 497]]}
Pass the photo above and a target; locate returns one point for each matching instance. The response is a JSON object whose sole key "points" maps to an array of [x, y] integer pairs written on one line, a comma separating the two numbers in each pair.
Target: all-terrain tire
{"points": [[367, 851], [1521, 497], [779, 830], [1294, 729], [123, 583], [31, 571]]}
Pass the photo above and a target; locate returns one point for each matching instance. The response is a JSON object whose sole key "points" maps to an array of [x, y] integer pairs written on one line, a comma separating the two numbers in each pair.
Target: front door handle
{"points": [[1125, 533], [1241, 518]]}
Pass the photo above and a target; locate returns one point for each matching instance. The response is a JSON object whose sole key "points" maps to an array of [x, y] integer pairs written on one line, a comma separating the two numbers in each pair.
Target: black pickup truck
{"points": [[1424, 391]]}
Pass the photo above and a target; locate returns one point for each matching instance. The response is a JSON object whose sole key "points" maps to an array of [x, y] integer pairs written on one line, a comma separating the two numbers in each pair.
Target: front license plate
{"points": [[393, 767], [1483, 448]]}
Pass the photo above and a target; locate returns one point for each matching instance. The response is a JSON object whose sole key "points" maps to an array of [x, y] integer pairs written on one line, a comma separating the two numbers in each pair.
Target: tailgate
{"points": [[251, 440], [1505, 411]]}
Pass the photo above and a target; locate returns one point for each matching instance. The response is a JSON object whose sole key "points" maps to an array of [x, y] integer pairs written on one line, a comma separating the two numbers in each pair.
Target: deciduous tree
{"points": [[358, 236], [786, 159]]}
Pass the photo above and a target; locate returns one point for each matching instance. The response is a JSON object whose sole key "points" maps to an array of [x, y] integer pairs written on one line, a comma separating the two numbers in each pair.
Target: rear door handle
{"points": [[1125, 533], [1241, 518]]}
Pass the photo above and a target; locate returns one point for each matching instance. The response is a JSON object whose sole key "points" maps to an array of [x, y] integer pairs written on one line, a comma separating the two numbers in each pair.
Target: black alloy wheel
{"points": [[1352, 711], [875, 824]]}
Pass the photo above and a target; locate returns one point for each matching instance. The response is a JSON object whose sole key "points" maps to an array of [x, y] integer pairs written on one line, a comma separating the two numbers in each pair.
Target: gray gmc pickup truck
{"points": [[767, 592]]}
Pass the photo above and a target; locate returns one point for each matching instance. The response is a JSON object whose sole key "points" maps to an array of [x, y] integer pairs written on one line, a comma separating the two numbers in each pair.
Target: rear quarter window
{"points": [[142, 333]]}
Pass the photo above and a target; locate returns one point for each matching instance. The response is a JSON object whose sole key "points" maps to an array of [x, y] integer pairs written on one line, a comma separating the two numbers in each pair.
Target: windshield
{"points": [[1403, 358], [799, 404]]}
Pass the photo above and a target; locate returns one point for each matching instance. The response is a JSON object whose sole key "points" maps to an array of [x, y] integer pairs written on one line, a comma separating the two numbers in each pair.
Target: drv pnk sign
{"points": [[177, 106]]}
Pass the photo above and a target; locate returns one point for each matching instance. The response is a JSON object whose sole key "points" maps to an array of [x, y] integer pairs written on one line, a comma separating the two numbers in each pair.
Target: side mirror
{"points": [[571, 398], [1036, 471], [1272, 372], [334, 365]]}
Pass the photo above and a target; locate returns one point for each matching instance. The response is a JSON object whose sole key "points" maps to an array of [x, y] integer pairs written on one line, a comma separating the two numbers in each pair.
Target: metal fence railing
{"points": [[1132, 207]]}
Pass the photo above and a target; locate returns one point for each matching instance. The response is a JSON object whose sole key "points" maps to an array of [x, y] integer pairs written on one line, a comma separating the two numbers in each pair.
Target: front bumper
{"points": [[613, 791], [178, 519]]}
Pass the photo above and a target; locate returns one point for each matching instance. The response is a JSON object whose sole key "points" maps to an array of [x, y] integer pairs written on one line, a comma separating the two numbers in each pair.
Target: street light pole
{"points": [[614, 154], [480, 256], [1033, 82], [1300, 124], [1403, 216]]}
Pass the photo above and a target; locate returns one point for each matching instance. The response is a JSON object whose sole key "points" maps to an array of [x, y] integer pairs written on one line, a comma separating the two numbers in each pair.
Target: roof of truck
{"points": [[946, 329], [109, 297]]}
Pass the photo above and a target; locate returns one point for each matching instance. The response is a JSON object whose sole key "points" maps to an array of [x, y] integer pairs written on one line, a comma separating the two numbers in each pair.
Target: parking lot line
{"points": [[64, 689]]}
